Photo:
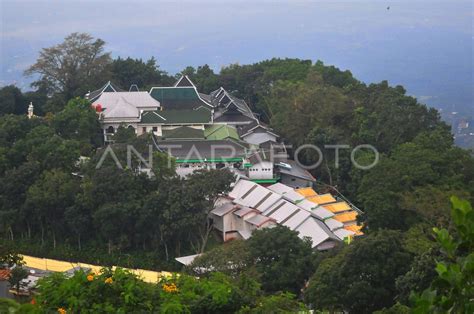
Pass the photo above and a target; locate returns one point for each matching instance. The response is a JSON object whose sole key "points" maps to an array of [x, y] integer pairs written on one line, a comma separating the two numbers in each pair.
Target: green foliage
{"points": [[396, 190], [452, 289], [361, 277], [282, 260], [12, 101], [419, 277], [124, 134], [277, 303], [11, 307], [144, 74], [72, 67], [107, 292], [78, 121], [9, 257], [204, 77], [119, 291], [17, 274], [231, 258]]}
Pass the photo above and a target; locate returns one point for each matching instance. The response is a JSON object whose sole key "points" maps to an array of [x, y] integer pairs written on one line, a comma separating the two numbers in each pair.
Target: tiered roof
{"points": [[182, 96], [342, 211], [287, 207]]}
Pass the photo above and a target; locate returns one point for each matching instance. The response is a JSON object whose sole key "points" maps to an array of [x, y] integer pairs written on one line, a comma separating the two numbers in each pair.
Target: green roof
{"points": [[177, 97], [199, 116], [220, 132], [183, 132]]}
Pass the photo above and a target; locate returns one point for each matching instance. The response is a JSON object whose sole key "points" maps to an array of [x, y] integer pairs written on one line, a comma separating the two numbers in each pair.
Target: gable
{"points": [[184, 81]]}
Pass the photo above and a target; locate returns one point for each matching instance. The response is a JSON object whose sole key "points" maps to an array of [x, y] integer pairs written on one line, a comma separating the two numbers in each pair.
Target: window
{"points": [[155, 129], [144, 130]]}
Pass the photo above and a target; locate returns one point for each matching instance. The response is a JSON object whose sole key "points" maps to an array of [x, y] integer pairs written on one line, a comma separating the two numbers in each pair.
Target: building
{"points": [[199, 130], [250, 206]]}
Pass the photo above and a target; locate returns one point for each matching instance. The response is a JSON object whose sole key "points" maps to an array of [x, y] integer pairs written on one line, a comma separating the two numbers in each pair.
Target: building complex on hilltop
{"points": [[200, 131], [220, 131]]}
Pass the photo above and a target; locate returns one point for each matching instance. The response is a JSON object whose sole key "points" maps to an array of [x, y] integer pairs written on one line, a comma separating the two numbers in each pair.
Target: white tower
{"points": [[30, 110]]}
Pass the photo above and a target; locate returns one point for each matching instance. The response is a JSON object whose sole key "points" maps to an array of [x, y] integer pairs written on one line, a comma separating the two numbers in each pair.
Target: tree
{"points": [[124, 134], [282, 259], [231, 258], [12, 101], [204, 77], [277, 303], [361, 277], [202, 189], [17, 275], [72, 67], [453, 288], [9, 257], [126, 72], [392, 193], [109, 291], [115, 221], [77, 121], [48, 197]]}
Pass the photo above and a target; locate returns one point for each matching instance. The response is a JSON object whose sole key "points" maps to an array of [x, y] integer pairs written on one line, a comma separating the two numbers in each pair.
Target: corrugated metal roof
{"points": [[282, 211], [307, 205], [241, 187], [354, 228], [224, 209], [245, 234], [338, 207], [346, 217], [244, 211], [287, 192], [306, 192], [259, 197], [312, 229], [333, 224], [322, 199], [296, 219], [258, 220], [343, 233], [322, 213]]}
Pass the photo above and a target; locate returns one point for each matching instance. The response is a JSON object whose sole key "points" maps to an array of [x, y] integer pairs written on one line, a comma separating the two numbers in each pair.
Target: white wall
{"points": [[262, 170]]}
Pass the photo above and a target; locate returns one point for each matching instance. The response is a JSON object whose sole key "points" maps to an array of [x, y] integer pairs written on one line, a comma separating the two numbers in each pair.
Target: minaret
{"points": [[30, 110]]}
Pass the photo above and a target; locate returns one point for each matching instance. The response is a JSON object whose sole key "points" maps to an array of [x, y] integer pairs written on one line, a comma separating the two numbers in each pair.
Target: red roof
{"points": [[4, 274]]}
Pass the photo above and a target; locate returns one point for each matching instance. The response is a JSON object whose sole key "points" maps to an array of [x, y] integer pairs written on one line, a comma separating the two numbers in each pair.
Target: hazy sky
{"points": [[427, 46]]}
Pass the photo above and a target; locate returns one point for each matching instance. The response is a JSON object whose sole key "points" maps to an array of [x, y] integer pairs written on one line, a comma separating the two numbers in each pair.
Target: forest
{"points": [[417, 252]]}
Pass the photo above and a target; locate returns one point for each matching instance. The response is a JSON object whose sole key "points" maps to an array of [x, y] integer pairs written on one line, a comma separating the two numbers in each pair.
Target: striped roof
{"points": [[4, 274], [355, 228], [346, 217], [306, 192], [322, 199], [338, 207]]}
